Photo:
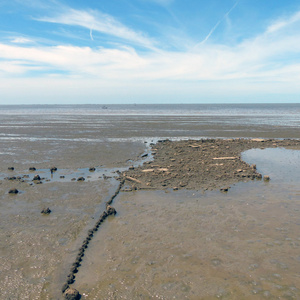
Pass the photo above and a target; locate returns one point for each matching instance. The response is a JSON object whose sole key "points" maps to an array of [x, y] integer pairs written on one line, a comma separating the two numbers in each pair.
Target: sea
{"points": [[243, 244]]}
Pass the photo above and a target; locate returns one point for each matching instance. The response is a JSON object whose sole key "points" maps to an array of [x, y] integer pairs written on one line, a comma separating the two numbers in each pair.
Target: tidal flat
{"points": [[167, 241]]}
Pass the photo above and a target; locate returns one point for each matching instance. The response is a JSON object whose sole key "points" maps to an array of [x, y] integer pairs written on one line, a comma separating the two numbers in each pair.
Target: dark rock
{"points": [[53, 169], [78, 258], [32, 169], [81, 179], [71, 294], [76, 264], [145, 155], [46, 211], [36, 177], [13, 191], [110, 210], [11, 168], [11, 178], [64, 287], [74, 270], [92, 169], [225, 189], [70, 280], [62, 176], [103, 215]]}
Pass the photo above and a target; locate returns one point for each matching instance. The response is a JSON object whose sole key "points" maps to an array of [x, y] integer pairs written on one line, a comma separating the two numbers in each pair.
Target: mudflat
{"points": [[199, 164]]}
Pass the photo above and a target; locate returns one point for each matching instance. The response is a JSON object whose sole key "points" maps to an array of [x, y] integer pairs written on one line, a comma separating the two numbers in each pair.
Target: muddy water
{"points": [[243, 244]]}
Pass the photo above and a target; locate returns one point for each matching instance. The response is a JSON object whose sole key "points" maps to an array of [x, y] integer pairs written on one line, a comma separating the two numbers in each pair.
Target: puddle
{"points": [[67, 175], [282, 165]]}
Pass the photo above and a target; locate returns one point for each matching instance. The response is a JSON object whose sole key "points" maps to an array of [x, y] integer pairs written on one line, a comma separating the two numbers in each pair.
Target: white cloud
{"points": [[100, 22], [283, 23], [21, 40], [259, 64]]}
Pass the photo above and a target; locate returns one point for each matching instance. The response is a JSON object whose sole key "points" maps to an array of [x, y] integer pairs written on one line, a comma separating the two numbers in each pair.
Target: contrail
{"points": [[91, 34], [218, 23]]}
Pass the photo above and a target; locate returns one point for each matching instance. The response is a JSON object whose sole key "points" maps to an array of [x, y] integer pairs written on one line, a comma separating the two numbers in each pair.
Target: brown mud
{"points": [[199, 164]]}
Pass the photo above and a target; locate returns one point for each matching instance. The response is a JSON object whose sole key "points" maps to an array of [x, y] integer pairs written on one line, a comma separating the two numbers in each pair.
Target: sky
{"points": [[149, 51]]}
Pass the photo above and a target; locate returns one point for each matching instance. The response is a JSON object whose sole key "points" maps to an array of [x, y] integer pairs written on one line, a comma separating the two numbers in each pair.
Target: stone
{"points": [[266, 178], [225, 189], [36, 177], [92, 169], [32, 169], [110, 210], [81, 179], [11, 168], [13, 191], [46, 211], [64, 287], [53, 169], [71, 294]]}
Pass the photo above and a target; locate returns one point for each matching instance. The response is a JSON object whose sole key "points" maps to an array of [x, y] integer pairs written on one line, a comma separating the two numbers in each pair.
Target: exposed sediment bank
{"points": [[199, 164]]}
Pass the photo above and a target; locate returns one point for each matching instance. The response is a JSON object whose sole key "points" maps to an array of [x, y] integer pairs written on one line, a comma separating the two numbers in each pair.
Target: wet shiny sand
{"points": [[183, 245], [243, 244]]}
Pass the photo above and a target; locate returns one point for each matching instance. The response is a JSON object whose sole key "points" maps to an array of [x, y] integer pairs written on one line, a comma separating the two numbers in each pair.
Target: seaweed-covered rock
{"points": [[71, 294], [64, 287], [53, 169], [46, 211], [13, 191], [110, 210], [36, 177]]}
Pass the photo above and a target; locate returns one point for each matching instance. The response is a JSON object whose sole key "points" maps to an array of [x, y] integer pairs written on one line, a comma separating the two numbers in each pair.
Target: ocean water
{"points": [[185, 245], [98, 123]]}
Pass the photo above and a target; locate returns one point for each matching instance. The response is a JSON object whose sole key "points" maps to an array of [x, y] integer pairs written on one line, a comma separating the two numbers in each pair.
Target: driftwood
{"points": [[232, 157], [132, 179], [152, 170]]}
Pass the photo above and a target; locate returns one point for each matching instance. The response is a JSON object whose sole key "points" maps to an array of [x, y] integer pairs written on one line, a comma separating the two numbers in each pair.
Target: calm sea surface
{"points": [[116, 122]]}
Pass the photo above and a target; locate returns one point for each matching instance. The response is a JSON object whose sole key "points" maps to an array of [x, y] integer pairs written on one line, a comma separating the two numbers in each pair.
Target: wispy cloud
{"points": [[21, 40], [102, 23], [283, 23], [259, 59]]}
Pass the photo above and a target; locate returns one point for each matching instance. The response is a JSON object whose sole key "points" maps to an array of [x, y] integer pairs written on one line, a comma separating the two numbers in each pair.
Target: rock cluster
{"points": [[74, 269]]}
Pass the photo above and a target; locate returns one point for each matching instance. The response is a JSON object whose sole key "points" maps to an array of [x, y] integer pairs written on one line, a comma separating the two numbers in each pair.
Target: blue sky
{"points": [[149, 51]]}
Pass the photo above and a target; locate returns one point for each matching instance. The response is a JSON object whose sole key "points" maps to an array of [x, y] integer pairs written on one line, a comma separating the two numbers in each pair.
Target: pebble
{"points": [[46, 211], [13, 191]]}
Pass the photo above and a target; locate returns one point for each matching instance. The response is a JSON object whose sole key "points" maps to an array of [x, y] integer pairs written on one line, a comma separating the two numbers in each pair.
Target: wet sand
{"points": [[167, 244], [242, 244]]}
